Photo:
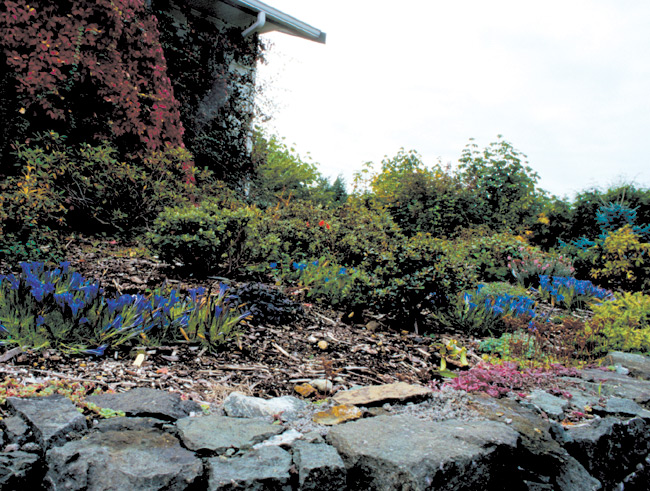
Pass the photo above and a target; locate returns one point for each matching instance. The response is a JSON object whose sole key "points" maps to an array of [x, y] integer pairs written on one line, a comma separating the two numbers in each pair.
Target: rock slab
{"points": [[379, 394], [134, 460], [147, 402], [320, 467], [266, 468], [404, 452], [51, 418], [216, 434]]}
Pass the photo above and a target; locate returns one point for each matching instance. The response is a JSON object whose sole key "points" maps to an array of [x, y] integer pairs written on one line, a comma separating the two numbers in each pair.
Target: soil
{"points": [[270, 361]]}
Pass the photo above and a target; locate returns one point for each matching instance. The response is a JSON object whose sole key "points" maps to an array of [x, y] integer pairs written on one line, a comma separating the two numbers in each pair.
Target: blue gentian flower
{"points": [[99, 351]]}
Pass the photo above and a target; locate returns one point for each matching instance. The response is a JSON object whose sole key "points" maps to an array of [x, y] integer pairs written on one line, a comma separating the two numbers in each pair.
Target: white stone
{"points": [[239, 405]]}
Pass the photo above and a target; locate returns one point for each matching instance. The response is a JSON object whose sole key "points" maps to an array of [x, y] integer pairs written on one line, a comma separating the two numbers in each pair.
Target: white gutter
{"points": [[275, 17], [261, 20]]}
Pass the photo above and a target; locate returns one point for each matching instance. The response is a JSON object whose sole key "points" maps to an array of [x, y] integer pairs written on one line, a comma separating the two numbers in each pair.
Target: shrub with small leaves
{"points": [[622, 261], [622, 324], [202, 238]]}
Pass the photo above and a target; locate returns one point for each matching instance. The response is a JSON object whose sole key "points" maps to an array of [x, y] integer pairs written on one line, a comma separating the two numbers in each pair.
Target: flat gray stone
{"points": [[608, 383], [320, 467], [262, 469], [638, 365], [51, 418], [18, 470], [125, 423], [552, 405], [144, 401], [286, 408], [216, 434], [15, 429], [582, 399], [134, 460], [627, 407], [404, 452]]}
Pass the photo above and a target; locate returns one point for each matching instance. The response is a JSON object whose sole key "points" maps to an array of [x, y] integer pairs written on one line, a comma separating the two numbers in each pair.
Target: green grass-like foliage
{"points": [[59, 308], [483, 312]]}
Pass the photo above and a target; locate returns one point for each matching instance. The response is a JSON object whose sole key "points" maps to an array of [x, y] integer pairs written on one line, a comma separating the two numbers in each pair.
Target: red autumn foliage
{"points": [[93, 70]]}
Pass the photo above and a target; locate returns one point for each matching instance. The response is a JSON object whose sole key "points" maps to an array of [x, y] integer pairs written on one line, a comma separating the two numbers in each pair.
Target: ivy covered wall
{"points": [[212, 69]]}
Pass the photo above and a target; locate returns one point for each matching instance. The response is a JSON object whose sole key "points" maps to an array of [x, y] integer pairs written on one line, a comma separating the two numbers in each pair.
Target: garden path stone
{"points": [[51, 418], [320, 467], [638, 365], [404, 452], [147, 402], [266, 468], [18, 470], [216, 434], [627, 407], [286, 408], [380, 394], [134, 460]]}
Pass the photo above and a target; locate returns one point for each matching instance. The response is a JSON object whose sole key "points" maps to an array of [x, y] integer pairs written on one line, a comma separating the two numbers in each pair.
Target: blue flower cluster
{"points": [[504, 304], [571, 291], [59, 296]]}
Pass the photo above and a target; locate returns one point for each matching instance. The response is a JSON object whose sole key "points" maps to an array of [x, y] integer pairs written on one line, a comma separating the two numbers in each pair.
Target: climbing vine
{"points": [[93, 70]]}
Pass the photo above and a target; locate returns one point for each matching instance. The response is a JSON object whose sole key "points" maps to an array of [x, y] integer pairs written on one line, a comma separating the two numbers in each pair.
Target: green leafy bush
{"points": [[622, 324], [504, 189], [298, 229], [491, 254], [421, 199], [622, 261], [203, 238], [321, 280], [405, 280]]}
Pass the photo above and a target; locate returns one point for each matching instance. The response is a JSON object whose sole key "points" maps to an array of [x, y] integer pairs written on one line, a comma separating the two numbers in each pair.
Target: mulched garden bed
{"points": [[269, 362]]}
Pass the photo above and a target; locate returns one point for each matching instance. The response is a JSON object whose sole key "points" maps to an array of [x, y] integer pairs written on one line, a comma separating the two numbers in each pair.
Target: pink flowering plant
{"points": [[532, 263], [499, 380]]}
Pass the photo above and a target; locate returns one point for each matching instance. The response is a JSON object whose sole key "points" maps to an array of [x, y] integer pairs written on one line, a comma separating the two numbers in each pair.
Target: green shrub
{"points": [[56, 186], [491, 254], [203, 238], [298, 229], [503, 188], [418, 272], [322, 280], [418, 198], [621, 261], [622, 324]]}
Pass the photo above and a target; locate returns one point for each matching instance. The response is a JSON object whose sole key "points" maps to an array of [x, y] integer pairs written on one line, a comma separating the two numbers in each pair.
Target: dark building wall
{"points": [[212, 69]]}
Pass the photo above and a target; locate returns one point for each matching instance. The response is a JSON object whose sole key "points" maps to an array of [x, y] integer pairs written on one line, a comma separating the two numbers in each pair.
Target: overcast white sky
{"points": [[566, 82]]}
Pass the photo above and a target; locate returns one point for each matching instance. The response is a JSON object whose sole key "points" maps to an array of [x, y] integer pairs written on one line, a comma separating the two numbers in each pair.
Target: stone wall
{"points": [[163, 442]]}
